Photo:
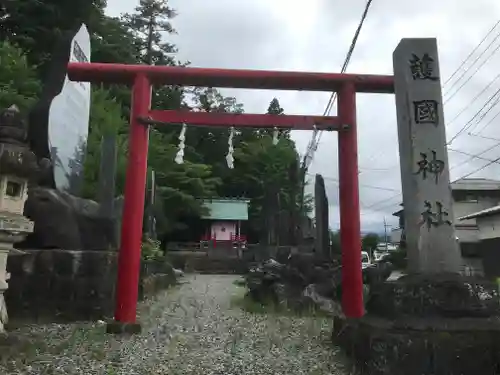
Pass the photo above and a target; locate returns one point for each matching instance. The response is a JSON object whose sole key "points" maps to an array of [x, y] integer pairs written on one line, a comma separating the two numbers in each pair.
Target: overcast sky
{"points": [[289, 35]]}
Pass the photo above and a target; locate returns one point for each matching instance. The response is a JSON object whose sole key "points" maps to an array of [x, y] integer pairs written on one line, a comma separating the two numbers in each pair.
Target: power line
{"points": [[475, 72], [313, 146], [375, 169], [484, 137], [497, 161], [472, 52], [316, 137], [383, 201], [472, 155], [349, 53], [361, 185], [467, 106], [469, 123], [478, 170], [475, 156], [488, 123]]}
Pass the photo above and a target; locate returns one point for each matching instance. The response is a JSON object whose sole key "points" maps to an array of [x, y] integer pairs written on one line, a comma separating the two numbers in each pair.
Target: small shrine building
{"points": [[225, 220]]}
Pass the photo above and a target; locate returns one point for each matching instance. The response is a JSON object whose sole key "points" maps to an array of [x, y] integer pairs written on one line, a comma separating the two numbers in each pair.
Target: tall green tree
{"points": [[37, 26], [370, 241], [263, 172], [18, 82], [275, 107], [151, 25], [105, 118], [151, 20], [181, 187]]}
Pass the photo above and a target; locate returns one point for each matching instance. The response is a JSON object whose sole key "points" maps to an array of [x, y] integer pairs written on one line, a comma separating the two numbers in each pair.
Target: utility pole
{"points": [[385, 233]]}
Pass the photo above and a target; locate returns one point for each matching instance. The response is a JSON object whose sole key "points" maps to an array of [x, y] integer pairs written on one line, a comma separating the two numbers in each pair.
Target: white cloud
{"points": [[315, 36]]}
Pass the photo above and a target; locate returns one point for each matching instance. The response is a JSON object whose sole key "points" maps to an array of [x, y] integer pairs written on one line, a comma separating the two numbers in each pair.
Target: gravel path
{"points": [[192, 329]]}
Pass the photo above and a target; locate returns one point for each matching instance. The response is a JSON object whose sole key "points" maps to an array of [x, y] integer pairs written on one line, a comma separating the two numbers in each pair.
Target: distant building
{"points": [[470, 195], [383, 246], [488, 223]]}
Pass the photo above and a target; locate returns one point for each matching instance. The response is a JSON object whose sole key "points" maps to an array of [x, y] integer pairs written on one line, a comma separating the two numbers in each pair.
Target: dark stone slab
{"points": [[65, 263], [64, 286], [322, 237], [443, 346], [438, 296], [95, 263], [422, 325]]}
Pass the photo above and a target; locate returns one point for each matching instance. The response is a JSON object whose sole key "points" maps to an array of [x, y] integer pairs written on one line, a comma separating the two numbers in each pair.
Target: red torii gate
{"points": [[143, 76]]}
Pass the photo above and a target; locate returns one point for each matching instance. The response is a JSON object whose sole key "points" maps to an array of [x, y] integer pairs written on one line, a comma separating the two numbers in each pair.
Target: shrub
{"points": [[151, 249]]}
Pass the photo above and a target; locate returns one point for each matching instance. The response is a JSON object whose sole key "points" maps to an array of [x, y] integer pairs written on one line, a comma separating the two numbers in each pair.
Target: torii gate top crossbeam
{"points": [[233, 78]]}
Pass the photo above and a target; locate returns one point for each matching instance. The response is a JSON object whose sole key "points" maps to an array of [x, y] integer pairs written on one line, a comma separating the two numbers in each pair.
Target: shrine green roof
{"points": [[226, 209]]}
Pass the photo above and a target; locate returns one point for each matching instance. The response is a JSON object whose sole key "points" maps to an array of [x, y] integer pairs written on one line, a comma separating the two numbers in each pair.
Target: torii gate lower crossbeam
{"points": [[143, 76]]}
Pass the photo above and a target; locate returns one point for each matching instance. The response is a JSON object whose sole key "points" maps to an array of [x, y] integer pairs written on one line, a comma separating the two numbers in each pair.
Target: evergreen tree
{"points": [[150, 23], [18, 82], [275, 108], [264, 173], [37, 26], [150, 20]]}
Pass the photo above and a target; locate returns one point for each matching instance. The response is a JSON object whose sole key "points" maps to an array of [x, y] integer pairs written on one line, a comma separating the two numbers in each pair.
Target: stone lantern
{"points": [[18, 166]]}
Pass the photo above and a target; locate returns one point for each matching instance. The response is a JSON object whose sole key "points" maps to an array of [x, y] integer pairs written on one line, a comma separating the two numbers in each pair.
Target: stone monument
{"points": [[18, 166], [434, 321], [430, 233], [322, 237]]}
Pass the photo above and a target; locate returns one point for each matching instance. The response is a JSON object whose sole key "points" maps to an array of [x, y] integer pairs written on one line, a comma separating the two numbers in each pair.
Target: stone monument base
{"points": [[446, 325]]}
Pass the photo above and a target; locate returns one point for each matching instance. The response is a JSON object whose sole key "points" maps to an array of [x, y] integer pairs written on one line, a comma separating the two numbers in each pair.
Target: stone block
{"points": [[91, 289], [63, 288], [18, 264], [61, 285], [441, 296], [443, 346], [15, 290], [66, 262], [37, 287], [44, 262], [426, 325], [95, 263]]}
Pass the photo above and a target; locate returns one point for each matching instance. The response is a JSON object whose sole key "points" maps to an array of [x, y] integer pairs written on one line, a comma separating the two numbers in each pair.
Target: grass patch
{"points": [[243, 301], [240, 282], [22, 347]]}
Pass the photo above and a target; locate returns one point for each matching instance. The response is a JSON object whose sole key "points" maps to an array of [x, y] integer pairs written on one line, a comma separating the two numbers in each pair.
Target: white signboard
{"points": [[69, 121]]}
